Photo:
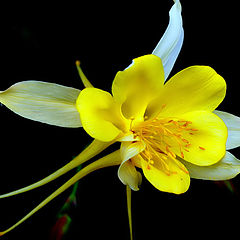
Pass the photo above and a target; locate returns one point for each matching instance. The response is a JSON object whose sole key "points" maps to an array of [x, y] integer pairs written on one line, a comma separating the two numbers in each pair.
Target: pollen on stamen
{"points": [[185, 140], [193, 129], [151, 162], [162, 137], [202, 148], [148, 167]]}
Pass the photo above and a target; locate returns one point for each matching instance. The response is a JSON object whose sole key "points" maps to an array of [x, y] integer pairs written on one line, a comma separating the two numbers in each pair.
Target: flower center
{"points": [[164, 139]]}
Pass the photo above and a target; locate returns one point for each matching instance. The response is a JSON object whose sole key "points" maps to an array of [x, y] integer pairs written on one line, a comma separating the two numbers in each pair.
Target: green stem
{"points": [[129, 208]]}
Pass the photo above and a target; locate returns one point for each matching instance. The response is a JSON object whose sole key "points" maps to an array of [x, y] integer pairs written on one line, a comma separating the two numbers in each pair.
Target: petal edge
{"points": [[45, 102]]}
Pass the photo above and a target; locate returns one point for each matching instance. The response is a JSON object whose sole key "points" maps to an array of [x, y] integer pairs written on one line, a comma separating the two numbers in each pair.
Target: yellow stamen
{"points": [[161, 136]]}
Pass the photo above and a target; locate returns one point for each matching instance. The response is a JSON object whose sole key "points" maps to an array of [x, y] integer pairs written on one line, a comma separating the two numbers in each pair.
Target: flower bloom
{"points": [[160, 126], [170, 130]]}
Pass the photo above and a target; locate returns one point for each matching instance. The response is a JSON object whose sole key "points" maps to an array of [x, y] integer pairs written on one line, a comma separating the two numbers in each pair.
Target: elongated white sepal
{"points": [[233, 124], [227, 168], [44, 102], [171, 42]]}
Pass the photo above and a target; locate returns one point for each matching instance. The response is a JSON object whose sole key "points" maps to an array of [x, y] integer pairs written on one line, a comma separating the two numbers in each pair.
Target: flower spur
{"points": [[168, 130]]}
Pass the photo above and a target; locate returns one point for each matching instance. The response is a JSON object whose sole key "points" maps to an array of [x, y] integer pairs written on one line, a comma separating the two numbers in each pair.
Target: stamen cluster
{"points": [[163, 139]]}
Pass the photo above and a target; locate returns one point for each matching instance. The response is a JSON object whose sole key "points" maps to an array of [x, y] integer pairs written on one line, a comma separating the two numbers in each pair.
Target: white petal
{"points": [[171, 42], [130, 149], [44, 102], [233, 124], [227, 168], [129, 176], [128, 138], [127, 172]]}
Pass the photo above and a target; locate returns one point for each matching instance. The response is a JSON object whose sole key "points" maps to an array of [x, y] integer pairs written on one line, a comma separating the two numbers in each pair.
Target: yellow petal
{"points": [[194, 88], [177, 181], [100, 115], [138, 84], [206, 142]]}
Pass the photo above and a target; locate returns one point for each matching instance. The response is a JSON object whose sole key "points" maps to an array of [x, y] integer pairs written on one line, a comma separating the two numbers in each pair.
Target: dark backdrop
{"points": [[41, 42]]}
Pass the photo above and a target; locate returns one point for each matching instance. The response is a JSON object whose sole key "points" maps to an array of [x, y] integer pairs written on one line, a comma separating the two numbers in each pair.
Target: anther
{"points": [[193, 129], [185, 140], [202, 148], [151, 162]]}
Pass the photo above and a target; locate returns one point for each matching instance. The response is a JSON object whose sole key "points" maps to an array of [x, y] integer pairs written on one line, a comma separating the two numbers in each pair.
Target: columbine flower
{"points": [[169, 130], [160, 126]]}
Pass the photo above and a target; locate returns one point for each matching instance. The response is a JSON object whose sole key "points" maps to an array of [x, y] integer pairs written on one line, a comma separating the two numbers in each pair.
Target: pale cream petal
{"points": [[127, 172], [171, 42], [131, 149], [128, 137], [44, 102], [233, 125], [228, 167], [129, 176]]}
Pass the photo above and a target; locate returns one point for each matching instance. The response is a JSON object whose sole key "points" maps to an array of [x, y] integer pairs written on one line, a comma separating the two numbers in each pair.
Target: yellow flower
{"points": [[160, 126], [170, 130]]}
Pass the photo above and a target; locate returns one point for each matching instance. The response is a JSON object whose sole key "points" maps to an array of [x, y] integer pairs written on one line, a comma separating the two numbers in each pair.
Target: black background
{"points": [[41, 42]]}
